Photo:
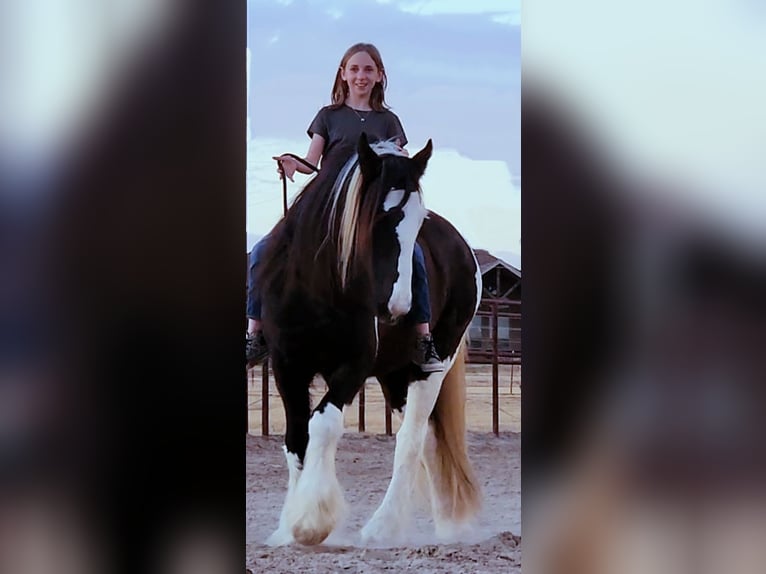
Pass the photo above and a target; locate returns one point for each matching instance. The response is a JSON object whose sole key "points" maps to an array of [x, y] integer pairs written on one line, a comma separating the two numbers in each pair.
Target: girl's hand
{"points": [[398, 144], [286, 166]]}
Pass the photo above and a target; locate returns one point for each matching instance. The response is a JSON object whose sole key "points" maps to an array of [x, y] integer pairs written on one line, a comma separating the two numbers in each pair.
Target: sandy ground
{"points": [[364, 463]]}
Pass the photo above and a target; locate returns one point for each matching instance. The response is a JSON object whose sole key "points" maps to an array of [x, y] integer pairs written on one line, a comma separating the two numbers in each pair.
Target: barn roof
{"points": [[488, 261]]}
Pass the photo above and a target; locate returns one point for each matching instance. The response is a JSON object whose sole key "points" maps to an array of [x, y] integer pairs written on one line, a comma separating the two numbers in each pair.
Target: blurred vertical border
{"points": [[122, 232], [645, 273]]}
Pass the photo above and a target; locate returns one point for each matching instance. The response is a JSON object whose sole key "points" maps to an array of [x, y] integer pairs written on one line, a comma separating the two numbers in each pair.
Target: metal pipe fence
{"points": [[486, 349]]}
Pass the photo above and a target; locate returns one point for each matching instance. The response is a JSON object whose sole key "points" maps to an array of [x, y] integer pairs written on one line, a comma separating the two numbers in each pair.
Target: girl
{"points": [[358, 105]]}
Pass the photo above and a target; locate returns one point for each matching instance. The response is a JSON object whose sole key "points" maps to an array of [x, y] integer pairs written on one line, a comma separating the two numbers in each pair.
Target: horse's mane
{"points": [[326, 234], [356, 216]]}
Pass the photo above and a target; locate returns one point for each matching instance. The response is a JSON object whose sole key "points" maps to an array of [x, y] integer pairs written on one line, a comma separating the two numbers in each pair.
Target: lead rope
{"points": [[284, 179]]}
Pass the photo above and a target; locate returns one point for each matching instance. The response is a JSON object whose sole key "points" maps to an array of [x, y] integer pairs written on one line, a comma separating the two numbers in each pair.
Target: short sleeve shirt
{"points": [[343, 126]]}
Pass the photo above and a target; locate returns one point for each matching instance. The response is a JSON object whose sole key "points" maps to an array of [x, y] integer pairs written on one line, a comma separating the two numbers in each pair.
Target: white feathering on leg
{"points": [[318, 501], [283, 534], [394, 512]]}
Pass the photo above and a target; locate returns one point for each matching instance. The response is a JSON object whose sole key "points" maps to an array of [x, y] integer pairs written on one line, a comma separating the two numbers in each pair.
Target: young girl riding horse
{"points": [[358, 105]]}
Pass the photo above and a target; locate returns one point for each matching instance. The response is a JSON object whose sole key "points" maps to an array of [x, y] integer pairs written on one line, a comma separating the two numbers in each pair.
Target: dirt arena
{"points": [[364, 464]]}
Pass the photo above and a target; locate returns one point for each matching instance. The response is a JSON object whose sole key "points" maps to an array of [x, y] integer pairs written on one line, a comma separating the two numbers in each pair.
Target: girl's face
{"points": [[361, 74]]}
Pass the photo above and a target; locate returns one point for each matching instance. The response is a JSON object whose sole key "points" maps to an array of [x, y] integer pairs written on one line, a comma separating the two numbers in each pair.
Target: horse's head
{"points": [[391, 188]]}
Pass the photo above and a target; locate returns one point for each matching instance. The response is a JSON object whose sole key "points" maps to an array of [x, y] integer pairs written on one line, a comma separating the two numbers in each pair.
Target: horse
{"points": [[336, 289]]}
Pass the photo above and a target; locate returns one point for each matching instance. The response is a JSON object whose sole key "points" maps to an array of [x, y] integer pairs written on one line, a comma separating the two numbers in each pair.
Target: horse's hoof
{"points": [[447, 532], [310, 536], [280, 537], [315, 520], [374, 534]]}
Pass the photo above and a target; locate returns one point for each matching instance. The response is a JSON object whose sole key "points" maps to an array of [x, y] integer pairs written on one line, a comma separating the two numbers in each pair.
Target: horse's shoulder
{"points": [[443, 241], [436, 228]]}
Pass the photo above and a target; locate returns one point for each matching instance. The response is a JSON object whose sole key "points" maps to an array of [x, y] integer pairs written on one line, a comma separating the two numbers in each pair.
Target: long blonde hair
{"points": [[340, 87]]}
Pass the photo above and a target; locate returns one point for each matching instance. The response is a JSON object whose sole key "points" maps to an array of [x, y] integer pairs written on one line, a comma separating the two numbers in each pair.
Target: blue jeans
{"points": [[253, 291], [421, 304]]}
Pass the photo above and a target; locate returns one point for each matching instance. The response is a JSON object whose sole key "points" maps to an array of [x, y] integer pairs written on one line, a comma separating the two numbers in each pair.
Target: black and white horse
{"points": [[336, 289]]}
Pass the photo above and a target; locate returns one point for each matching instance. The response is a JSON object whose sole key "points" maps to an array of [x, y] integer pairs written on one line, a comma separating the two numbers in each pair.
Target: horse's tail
{"points": [[454, 478]]}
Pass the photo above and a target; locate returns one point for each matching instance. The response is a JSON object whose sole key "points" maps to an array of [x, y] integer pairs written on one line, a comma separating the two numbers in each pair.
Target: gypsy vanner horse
{"points": [[336, 289]]}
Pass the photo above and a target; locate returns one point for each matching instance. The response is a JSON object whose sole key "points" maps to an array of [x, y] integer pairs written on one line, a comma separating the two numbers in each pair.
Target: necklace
{"points": [[361, 117]]}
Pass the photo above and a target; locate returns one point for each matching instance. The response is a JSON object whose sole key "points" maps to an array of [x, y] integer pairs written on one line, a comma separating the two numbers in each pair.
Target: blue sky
{"points": [[454, 76]]}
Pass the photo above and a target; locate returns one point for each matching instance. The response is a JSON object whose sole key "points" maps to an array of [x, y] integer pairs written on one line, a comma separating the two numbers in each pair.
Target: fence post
{"points": [[247, 401], [495, 382], [265, 398]]}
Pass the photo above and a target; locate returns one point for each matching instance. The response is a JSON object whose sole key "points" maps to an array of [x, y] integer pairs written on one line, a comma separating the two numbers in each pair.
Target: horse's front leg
{"points": [[319, 497], [414, 442], [293, 385]]}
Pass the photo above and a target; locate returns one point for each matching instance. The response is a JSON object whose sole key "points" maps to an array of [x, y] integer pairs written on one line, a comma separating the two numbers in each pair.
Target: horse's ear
{"points": [[421, 158], [369, 162]]}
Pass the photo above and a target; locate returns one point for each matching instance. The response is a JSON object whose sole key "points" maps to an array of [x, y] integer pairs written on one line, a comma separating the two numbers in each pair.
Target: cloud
{"points": [[432, 7], [477, 196], [510, 19], [264, 189]]}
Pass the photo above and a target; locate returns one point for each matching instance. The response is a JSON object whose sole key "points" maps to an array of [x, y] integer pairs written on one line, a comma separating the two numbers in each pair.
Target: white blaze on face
{"points": [[406, 233]]}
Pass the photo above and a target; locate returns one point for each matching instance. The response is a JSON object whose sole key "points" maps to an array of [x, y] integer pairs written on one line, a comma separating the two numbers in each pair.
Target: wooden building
{"points": [[499, 314]]}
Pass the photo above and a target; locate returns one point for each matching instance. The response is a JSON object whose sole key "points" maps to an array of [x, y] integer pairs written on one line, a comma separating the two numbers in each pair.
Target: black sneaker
{"points": [[255, 348], [425, 355]]}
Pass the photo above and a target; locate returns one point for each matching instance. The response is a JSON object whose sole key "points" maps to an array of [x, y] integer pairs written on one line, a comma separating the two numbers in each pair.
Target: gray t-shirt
{"points": [[343, 125]]}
